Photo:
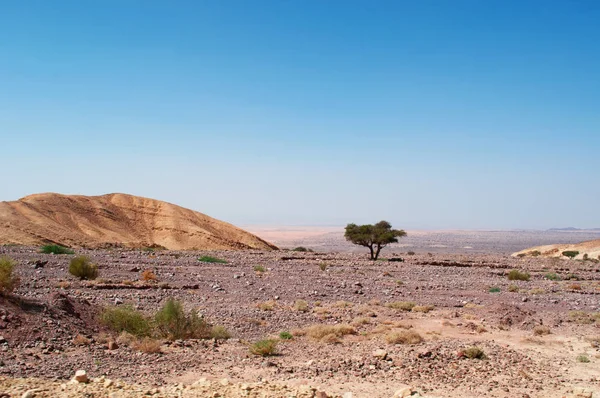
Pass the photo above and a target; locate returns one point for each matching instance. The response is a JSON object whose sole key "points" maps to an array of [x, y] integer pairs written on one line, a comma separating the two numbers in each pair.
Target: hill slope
{"points": [[590, 247], [132, 221]]}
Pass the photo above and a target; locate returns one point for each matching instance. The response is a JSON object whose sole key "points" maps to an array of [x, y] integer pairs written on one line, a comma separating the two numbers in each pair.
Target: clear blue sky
{"points": [[430, 114]]}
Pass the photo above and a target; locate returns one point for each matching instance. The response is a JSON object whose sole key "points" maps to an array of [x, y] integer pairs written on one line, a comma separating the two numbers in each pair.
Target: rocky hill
{"points": [[117, 219]]}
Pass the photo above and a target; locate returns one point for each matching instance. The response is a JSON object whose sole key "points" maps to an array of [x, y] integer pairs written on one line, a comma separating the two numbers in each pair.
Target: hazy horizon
{"points": [[460, 115]]}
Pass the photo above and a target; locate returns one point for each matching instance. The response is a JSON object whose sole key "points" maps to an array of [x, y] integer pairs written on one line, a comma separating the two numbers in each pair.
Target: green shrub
{"points": [[570, 253], [172, 323], [552, 276], [126, 319], [535, 253], [302, 249], [209, 259], [264, 348], [494, 290], [516, 275], [219, 332], [513, 288], [583, 359], [285, 336], [8, 281], [56, 249], [82, 267], [259, 268]]}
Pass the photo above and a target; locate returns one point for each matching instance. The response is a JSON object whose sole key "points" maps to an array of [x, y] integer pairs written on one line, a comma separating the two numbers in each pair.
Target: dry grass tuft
{"points": [[267, 305], [422, 308], [318, 332], [403, 337], [343, 304], [147, 345], [301, 306], [148, 276], [361, 321], [401, 305], [541, 330]]}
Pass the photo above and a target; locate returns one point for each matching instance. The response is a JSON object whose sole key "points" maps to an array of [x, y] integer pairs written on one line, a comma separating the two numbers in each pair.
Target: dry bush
{"points": [[298, 332], [219, 332], [126, 339], [446, 322], [403, 337], [537, 291], [318, 332], [401, 305], [513, 288], [103, 338], [8, 281], [148, 276], [147, 345], [81, 340], [583, 318], [267, 305], [301, 306], [516, 275], [63, 285], [575, 286], [422, 308], [375, 302], [594, 341], [331, 339], [361, 321], [541, 330], [343, 304], [82, 267], [480, 329], [127, 282]]}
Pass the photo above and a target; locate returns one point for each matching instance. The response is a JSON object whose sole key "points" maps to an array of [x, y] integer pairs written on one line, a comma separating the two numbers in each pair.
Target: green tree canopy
{"points": [[375, 237]]}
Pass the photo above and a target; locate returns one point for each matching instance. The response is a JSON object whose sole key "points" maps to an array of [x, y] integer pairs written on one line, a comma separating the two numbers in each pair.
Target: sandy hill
{"points": [[590, 247], [132, 221]]}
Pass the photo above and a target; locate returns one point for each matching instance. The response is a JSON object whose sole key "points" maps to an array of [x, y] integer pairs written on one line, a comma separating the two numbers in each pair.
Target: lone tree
{"points": [[375, 237]]}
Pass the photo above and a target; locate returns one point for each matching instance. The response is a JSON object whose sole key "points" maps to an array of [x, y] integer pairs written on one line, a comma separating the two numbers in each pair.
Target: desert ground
{"points": [[396, 328]]}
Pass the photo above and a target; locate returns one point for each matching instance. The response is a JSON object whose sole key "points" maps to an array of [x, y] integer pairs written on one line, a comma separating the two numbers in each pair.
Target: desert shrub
{"points": [[570, 253], [302, 249], [401, 305], [147, 345], [583, 359], [148, 276], [209, 259], [318, 332], [267, 305], [586, 257], [575, 286], [474, 353], [301, 306], [322, 266], [285, 336], [422, 308], [516, 275], [8, 280], [537, 290], [410, 253], [494, 290], [264, 348], [219, 332], [535, 253], [82, 268], [541, 330], [126, 319], [552, 276], [513, 288], [259, 268], [56, 249], [173, 323], [361, 321], [521, 255], [582, 317], [343, 304], [403, 337], [572, 277]]}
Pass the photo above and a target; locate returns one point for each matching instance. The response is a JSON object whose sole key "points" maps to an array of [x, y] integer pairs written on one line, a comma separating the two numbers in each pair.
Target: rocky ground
{"points": [[539, 338]]}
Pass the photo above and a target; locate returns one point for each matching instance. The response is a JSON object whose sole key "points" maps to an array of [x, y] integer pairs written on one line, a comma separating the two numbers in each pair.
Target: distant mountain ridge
{"points": [[573, 229], [117, 219]]}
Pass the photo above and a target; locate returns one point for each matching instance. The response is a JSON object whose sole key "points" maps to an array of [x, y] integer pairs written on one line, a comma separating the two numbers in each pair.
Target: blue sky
{"points": [[430, 114]]}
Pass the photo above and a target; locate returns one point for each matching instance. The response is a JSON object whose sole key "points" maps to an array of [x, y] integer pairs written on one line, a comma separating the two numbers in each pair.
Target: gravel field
{"points": [[533, 334]]}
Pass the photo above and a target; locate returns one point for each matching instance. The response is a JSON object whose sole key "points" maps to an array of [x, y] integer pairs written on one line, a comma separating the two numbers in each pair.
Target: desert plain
{"points": [[436, 316]]}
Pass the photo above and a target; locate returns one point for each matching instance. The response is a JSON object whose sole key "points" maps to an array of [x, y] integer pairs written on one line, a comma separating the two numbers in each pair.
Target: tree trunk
{"points": [[372, 253], [377, 252]]}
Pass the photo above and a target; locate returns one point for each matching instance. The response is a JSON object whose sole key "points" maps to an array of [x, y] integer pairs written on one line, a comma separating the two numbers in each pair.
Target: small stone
{"points": [[108, 383], [30, 393], [224, 382], [81, 376], [579, 392], [347, 395], [403, 392], [381, 354], [118, 301], [321, 394], [112, 345]]}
